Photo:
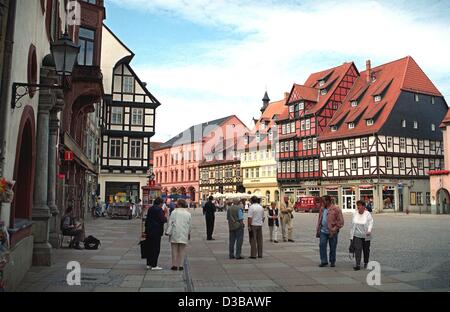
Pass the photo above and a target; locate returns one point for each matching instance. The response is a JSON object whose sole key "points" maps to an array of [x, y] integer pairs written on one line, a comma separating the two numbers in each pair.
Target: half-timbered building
{"points": [[310, 107], [383, 140], [128, 123]]}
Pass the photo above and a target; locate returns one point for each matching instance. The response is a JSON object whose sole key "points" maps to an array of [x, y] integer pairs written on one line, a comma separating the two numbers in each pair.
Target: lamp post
{"points": [[64, 53]]}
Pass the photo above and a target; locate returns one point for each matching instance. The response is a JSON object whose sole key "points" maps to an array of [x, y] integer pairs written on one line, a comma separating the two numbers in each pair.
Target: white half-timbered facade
{"points": [[128, 124], [384, 141]]}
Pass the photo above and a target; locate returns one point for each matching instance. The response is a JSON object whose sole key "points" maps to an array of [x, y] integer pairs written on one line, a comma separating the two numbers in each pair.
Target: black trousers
{"points": [[361, 246], [154, 250], [209, 226]]}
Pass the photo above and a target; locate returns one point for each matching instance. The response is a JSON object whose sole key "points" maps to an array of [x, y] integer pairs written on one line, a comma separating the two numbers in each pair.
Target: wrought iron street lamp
{"points": [[64, 53]]}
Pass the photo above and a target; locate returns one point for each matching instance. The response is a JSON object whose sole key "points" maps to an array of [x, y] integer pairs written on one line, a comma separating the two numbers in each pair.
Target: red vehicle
{"points": [[307, 204]]}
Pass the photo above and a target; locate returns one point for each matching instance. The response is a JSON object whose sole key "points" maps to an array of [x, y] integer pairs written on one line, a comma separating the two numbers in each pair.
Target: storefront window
{"points": [[388, 198]]}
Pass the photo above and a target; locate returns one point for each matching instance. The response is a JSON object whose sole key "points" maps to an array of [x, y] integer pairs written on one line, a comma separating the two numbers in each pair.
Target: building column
{"points": [[42, 252], [52, 173]]}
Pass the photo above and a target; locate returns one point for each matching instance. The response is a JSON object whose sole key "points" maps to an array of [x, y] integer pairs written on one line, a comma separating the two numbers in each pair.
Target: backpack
{"points": [[91, 243]]}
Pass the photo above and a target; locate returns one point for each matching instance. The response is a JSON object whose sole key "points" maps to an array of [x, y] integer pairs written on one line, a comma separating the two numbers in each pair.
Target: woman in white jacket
{"points": [[361, 234], [179, 232]]}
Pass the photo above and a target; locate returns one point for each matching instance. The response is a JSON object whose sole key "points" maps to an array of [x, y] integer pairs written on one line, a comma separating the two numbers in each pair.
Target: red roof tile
{"points": [[392, 78]]}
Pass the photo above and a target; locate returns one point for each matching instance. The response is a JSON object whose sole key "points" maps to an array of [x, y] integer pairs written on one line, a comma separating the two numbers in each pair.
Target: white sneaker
{"points": [[157, 268]]}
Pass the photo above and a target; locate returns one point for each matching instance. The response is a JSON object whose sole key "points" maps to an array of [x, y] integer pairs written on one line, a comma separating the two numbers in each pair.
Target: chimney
{"points": [[369, 71], [286, 95]]}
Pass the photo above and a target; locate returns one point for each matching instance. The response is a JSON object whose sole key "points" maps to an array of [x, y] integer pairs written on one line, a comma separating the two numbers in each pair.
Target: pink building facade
{"points": [[440, 179], [176, 162]]}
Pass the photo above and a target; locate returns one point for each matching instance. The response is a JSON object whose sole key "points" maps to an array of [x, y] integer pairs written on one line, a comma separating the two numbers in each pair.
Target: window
{"points": [[282, 147], [366, 162], [334, 128], [300, 166], [402, 143], [86, 42], [351, 144], [310, 144], [416, 125], [115, 148], [416, 97], [419, 198], [293, 166], [389, 142], [258, 137], [311, 165], [305, 144], [364, 143], [421, 144], [388, 162], [315, 143], [433, 146], [432, 166], [136, 149], [377, 98], [428, 198], [301, 106], [433, 127], [137, 116], [293, 127], [330, 166], [263, 125], [283, 129], [328, 148], [116, 115], [401, 163], [354, 103], [270, 135], [279, 168], [403, 123], [341, 164], [420, 163], [283, 167], [288, 128], [316, 165], [432, 100], [369, 122], [351, 125], [291, 108], [354, 164], [128, 84], [323, 92], [321, 83], [308, 124], [339, 146], [291, 146]]}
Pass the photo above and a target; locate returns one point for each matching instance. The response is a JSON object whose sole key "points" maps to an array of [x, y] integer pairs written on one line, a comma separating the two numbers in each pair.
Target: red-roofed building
{"points": [[310, 107], [384, 138]]}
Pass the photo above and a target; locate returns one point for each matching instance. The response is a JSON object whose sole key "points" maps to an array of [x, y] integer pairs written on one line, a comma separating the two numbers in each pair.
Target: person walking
{"points": [[255, 223], [287, 217], [329, 223], [361, 234], [179, 231], [273, 221], [209, 211], [154, 230], [235, 217]]}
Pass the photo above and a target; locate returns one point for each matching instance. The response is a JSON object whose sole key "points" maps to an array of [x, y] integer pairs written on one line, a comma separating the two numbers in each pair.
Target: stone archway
{"points": [[191, 193], [24, 168], [443, 201]]}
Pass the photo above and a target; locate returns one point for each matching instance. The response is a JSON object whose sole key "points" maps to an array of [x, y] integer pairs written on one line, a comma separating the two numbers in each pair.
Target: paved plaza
{"points": [[413, 252]]}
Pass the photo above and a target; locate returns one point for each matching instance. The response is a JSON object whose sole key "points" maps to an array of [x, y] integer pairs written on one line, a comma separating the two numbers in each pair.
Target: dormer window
{"points": [[369, 122], [416, 97], [291, 108], [323, 92], [334, 128], [432, 100], [263, 125], [301, 106], [351, 125], [258, 137], [270, 135], [321, 83], [354, 103], [377, 98]]}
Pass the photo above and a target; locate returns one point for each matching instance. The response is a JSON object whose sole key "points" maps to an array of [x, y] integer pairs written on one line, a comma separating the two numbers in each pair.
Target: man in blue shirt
{"points": [[235, 217]]}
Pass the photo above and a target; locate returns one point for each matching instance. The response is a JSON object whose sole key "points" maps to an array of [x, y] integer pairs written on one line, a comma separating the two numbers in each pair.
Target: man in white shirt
{"points": [[255, 223]]}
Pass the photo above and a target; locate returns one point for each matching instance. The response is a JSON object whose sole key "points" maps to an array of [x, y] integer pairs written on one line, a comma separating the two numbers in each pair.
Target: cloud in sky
{"points": [[276, 43]]}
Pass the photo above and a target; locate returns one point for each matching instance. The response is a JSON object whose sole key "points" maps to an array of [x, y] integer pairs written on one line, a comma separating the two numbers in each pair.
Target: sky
{"points": [[206, 59]]}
